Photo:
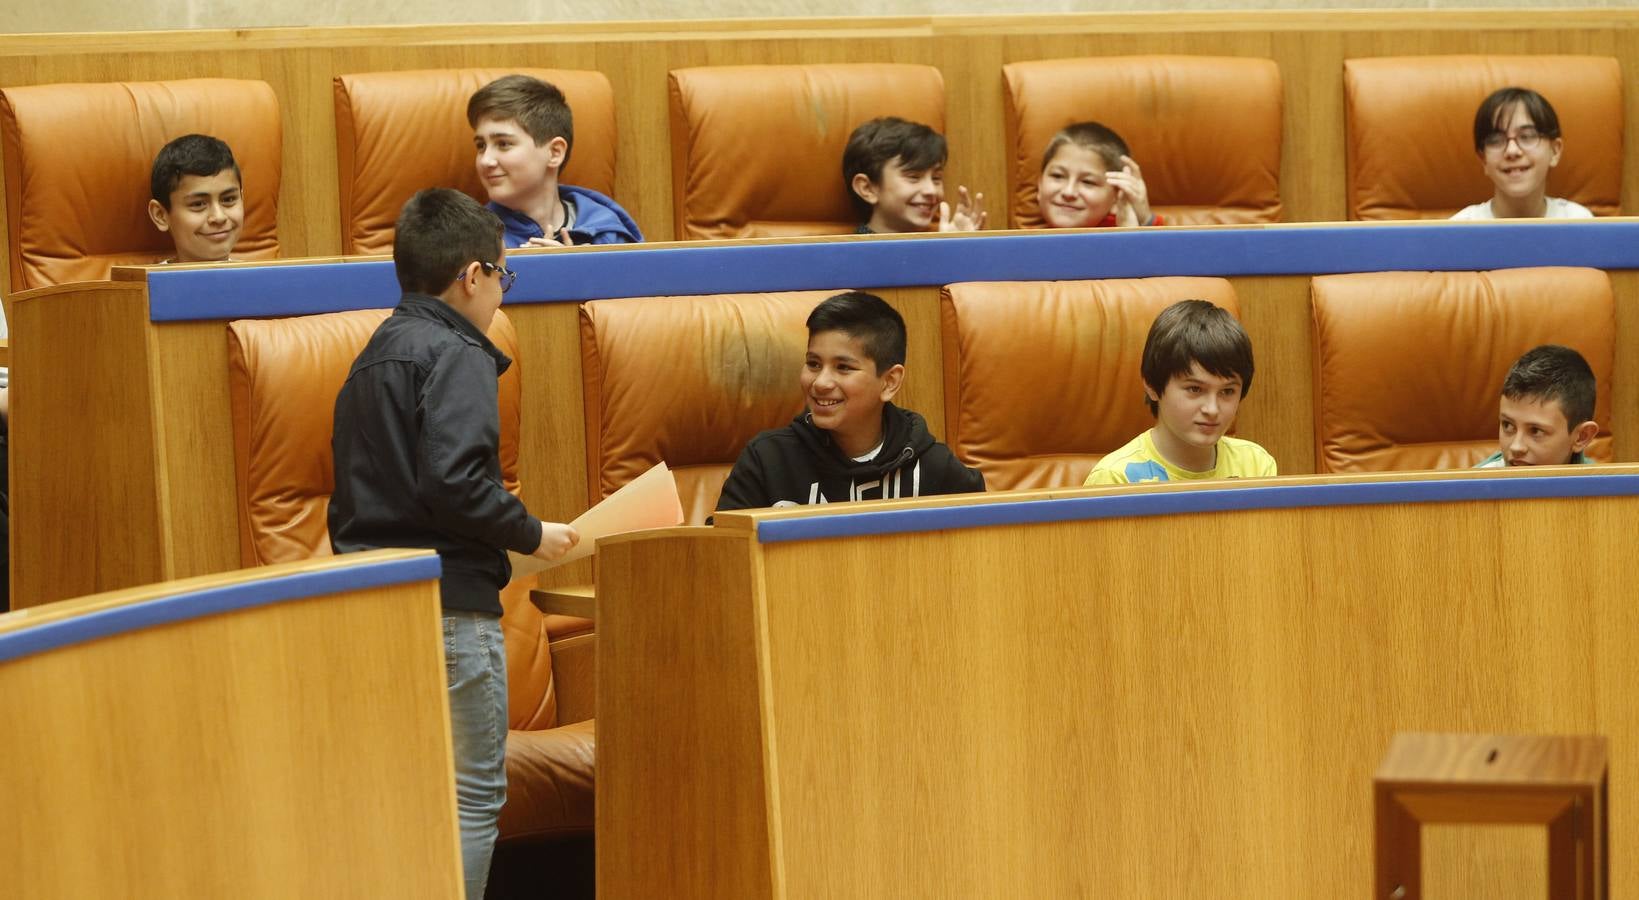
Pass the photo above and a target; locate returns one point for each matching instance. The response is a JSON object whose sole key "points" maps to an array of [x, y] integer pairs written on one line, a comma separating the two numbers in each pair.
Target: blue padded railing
{"points": [[1175, 503], [257, 291], [213, 601]]}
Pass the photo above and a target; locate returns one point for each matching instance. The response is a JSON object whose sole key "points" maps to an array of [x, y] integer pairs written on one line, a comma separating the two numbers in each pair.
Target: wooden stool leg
{"points": [[1564, 877], [1399, 851]]}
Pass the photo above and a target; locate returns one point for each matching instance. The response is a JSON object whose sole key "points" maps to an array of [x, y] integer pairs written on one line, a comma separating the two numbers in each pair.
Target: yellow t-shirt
{"points": [[1138, 461]]}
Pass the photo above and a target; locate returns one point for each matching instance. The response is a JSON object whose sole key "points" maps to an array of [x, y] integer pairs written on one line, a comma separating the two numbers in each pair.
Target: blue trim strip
{"points": [[211, 602], [705, 268], [1230, 499]]}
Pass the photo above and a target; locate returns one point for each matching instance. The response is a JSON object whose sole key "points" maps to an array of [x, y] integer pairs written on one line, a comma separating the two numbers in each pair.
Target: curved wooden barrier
{"points": [[1179, 691], [277, 732]]}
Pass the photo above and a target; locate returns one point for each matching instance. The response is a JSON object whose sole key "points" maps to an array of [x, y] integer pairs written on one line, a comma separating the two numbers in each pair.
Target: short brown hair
{"points": [[1100, 139], [538, 107], [1190, 332]]}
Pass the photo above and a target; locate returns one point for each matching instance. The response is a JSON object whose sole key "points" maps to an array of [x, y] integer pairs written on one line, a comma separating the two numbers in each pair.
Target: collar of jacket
{"points": [[426, 306]]}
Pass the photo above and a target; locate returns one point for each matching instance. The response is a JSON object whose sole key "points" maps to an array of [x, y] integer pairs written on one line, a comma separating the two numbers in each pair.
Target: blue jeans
{"points": [[475, 671]]}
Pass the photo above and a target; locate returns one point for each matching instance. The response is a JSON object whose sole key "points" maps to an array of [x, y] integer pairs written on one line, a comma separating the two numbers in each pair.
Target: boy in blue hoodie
{"points": [[522, 131]]}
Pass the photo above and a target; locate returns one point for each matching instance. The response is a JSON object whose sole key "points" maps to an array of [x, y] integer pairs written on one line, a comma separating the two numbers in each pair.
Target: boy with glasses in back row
{"points": [[415, 446], [1516, 136]]}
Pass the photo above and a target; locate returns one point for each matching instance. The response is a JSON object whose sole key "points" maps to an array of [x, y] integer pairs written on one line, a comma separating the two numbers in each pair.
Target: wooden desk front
{"points": [[1167, 693]]}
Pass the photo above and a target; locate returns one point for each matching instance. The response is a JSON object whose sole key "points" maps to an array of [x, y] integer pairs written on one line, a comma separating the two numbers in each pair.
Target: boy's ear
{"points": [[865, 188], [1150, 393], [1556, 146], [557, 150], [891, 381], [1583, 435], [159, 215]]}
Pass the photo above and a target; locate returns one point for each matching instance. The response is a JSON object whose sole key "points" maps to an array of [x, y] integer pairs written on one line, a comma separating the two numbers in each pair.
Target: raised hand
{"points": [[969, 214], [1134, 195]]}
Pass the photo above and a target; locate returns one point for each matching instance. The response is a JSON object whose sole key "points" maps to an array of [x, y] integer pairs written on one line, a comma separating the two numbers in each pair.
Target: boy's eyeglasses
{"points": [[1526, 138], [507, 275]]}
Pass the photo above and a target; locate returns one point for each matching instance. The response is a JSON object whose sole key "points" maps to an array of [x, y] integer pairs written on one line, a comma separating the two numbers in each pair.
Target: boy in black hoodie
{"points": [[851, 443]]}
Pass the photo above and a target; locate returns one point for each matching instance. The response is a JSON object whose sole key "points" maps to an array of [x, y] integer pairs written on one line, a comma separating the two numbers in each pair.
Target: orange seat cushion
{"points": [[1409, 365], [1410, 123], [1042, 377], [1176, 113], [78, 160], [399, 132], [757, 150]]}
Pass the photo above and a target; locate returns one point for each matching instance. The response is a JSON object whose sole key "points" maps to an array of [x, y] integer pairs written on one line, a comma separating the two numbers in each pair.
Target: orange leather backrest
{"points": [[1204, 130], [1410, 123], [284, 375], [399, 132], [1409, 365], [688, 380], [1042, 377], [757, 150], [78, 159]]}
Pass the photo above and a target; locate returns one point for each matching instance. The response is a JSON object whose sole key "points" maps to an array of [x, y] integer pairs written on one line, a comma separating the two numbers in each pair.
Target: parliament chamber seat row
{"points": [[1207, 131]]}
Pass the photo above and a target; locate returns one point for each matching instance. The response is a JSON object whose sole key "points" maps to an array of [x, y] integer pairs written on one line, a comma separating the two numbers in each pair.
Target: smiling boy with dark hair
{"points": [[851, 443]]}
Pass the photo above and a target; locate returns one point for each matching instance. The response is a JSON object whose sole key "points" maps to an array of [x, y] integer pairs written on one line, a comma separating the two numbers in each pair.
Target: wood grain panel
{"points": [[81, 409], [298, 749], [1278, 412], [1222, 706], [681, 746], [193, 421]]}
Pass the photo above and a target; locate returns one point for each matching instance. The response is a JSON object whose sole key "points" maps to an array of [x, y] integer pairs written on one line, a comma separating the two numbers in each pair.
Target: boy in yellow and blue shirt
{"points": [[1197, 365]]}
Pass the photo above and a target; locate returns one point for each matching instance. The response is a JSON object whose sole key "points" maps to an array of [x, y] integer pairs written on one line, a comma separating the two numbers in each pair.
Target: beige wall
{"points": [[123, 15]]}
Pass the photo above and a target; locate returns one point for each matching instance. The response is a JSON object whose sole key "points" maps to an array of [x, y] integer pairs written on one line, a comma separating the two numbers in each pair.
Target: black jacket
{"points": [[799, 464], [416, 452]]}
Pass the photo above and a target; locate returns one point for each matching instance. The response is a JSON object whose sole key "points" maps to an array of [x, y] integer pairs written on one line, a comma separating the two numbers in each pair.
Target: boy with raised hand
{"points": [[894, 171], [1197, 366], [1547, 406], [851, 443], [417, 432], [523, 131], [198, 198]]}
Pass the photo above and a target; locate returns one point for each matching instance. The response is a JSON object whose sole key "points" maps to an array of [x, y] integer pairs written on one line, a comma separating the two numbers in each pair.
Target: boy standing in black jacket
{"points": [[417, 432], [851, 443]]}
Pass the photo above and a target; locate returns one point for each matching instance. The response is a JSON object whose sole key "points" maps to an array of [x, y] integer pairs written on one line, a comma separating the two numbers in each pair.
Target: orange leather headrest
{"points": [[757, 150], [688, 380], [283, 376], [1410, 124], [1204, 130], [1042, 377], [399, 132], [78, 159], [1409, 365]]}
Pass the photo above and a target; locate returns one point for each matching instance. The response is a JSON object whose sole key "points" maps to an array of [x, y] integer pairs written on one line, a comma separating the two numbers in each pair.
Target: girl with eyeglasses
{"points": [[1516, 135]]}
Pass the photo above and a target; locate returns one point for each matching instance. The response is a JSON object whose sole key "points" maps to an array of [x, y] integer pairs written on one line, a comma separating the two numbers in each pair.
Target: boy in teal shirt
{"points": [[1546, 416]]}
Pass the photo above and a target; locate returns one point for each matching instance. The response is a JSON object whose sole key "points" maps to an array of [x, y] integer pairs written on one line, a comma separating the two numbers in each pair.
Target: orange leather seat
{"points": [[1205, 130], [1410, 123], [1042, 377], [688, 380], [1409, 365], [757, 150], [284, 375], [399, 132], [78, 159]]}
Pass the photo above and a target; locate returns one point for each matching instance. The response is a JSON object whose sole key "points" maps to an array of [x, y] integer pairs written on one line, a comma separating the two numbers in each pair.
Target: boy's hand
{"points": [[562, 240], [1135, 196], [969, 215], [556, 540]]}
